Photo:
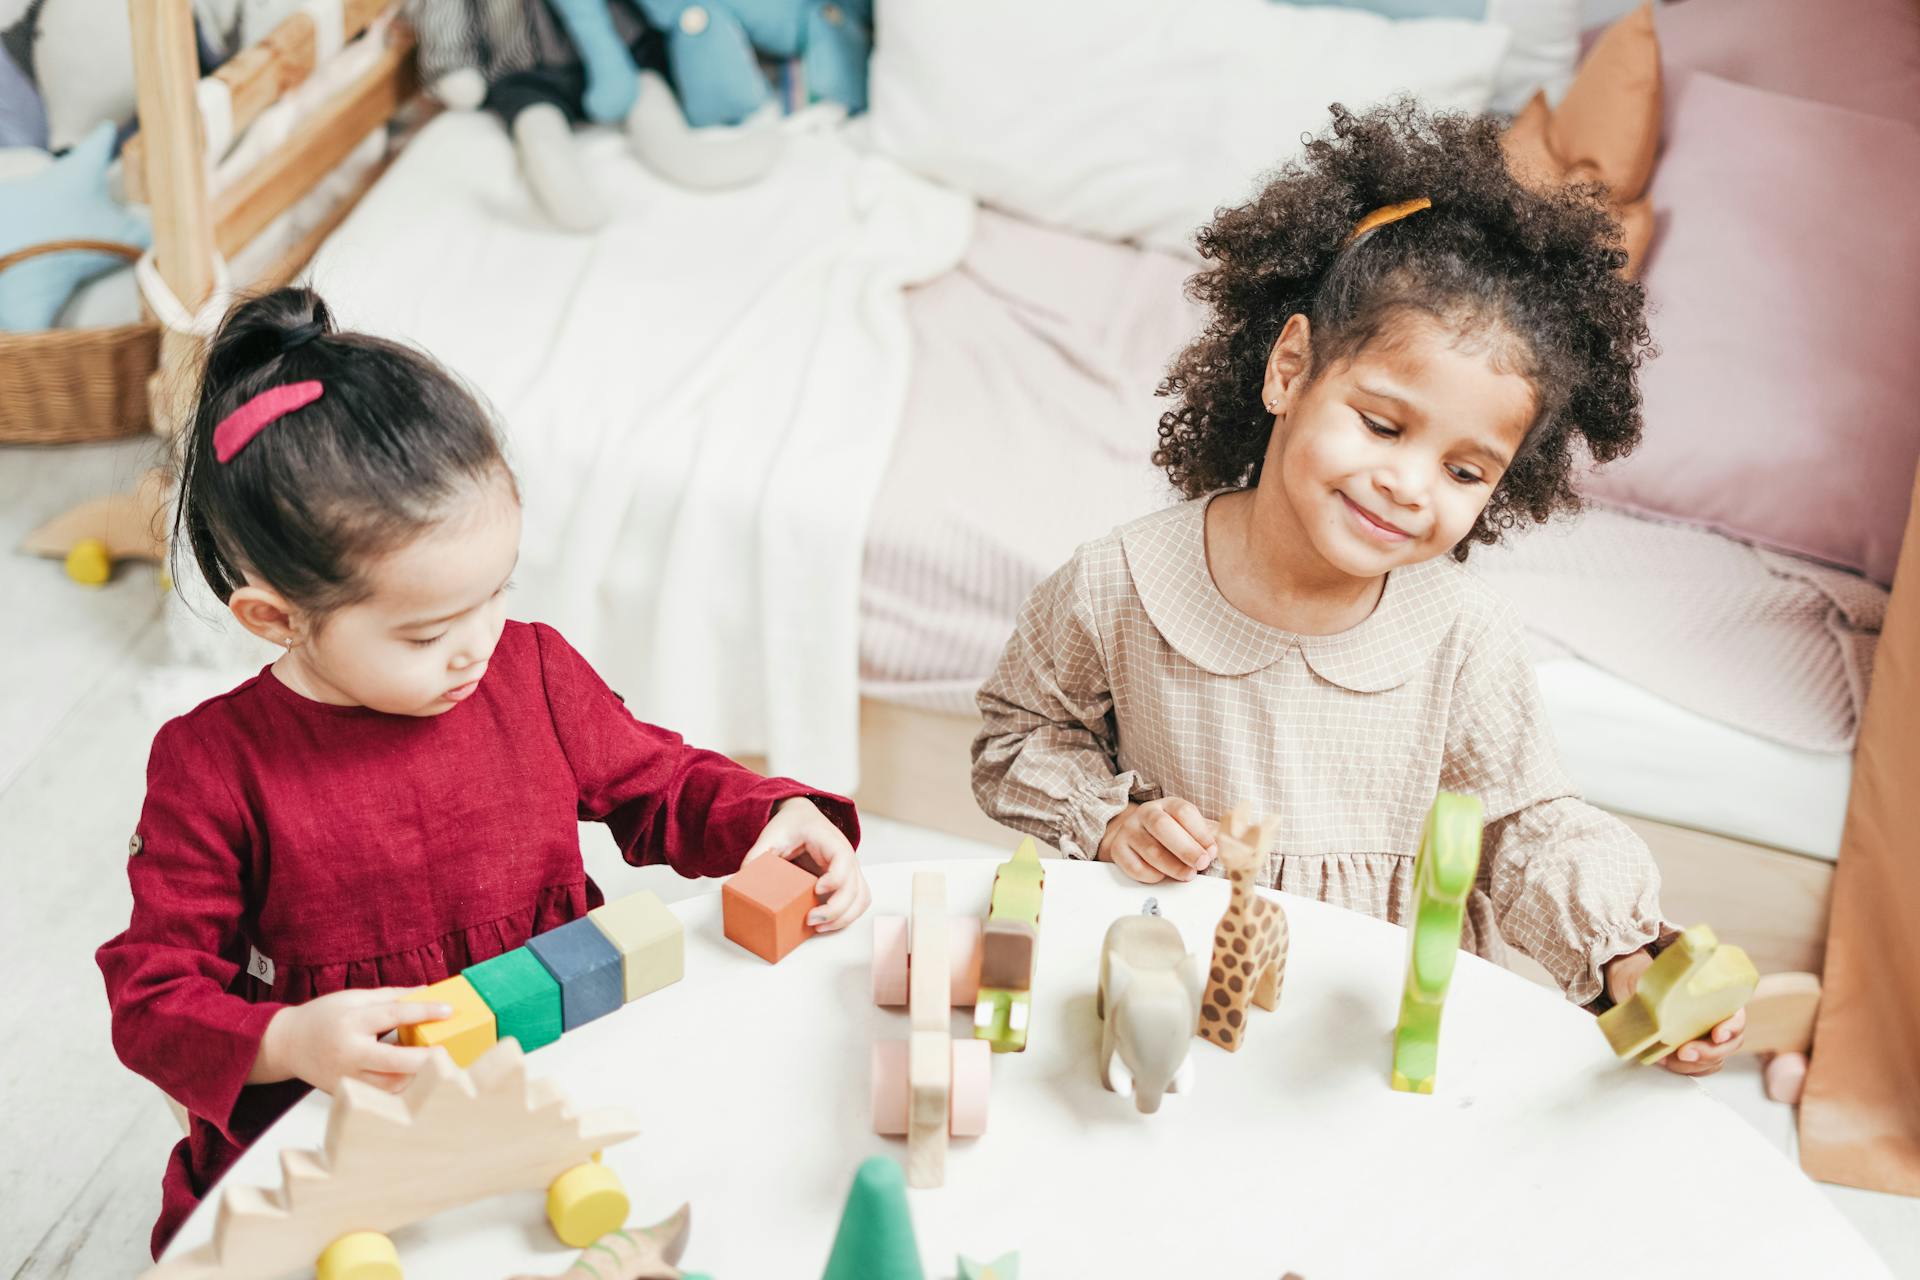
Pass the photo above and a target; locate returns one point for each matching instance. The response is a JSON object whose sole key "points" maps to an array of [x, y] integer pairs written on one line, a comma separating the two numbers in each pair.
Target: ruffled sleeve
{"points": [[169, 974], [1571, 886], [1045, 759], [664, 801]]}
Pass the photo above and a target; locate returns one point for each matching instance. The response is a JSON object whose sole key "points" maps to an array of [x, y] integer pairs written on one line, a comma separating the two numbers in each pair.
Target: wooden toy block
{"points": [[650, 939], [1148, 1005], [588, 968], [1250, 942], [466, 1035], [1004, 1267], [1695, 983], [632, 1253], [1780, 1015], [929, 980], [523, 996], [875, 1239], [1443, 873], [966, 1108], [764, 906], [1009, 949], [453, 1137]]}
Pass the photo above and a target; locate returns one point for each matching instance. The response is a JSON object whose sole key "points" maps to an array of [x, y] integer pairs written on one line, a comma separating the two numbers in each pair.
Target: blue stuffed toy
{"points": [[714, 49], [66, 199]]}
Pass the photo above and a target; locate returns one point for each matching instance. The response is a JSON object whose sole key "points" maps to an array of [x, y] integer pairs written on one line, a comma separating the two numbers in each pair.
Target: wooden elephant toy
{"points": [[1149, 1002]]}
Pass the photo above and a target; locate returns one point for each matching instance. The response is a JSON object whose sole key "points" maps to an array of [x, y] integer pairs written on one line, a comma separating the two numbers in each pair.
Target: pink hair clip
{"points": [[238, 428]]}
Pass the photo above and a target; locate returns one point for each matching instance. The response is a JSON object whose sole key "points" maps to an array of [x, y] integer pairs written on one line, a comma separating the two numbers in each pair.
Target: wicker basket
{"points": [[66, 386]]}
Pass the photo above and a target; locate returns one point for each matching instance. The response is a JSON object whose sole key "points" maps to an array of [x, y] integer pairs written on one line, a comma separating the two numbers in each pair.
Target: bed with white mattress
{"points": [[789, 493]]}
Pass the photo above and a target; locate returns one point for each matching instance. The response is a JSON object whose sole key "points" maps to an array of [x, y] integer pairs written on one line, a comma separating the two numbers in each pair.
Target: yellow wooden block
{"points": [[469, 1033], [1696, 983]]}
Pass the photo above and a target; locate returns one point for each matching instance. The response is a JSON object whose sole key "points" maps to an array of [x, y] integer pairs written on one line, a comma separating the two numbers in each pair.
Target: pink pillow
{"points": [[1783, 286], [1860, 54]]}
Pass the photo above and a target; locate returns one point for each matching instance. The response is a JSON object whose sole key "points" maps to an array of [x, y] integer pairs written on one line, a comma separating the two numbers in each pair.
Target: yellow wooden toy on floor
{"points": [[1695, 983]]}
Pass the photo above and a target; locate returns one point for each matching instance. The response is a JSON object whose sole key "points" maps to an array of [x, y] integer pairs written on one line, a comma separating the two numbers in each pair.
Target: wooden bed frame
{"points": [[915, 764]]}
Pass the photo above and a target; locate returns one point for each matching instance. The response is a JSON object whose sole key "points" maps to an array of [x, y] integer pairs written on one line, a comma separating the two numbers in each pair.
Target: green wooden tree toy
{"points": [[875, 1240], [1443, 875], [1695, 984]]}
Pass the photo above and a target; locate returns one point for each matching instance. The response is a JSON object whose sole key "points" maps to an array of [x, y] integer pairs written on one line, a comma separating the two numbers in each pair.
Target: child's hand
{"points": [[1159, 840], [1700, 1057], [337, 1037], [798, 829]]}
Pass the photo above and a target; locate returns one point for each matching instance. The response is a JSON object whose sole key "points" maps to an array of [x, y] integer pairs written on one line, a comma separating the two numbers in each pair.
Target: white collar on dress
{"points": [[1167, 557]]}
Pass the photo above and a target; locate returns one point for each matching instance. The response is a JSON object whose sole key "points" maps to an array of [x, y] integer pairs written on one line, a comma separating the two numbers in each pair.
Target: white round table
{"points": [[1538, 1152]]}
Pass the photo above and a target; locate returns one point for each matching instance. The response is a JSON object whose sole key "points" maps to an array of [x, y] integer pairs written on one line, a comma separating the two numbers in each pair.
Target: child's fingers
{"points": [[391, 1013], [843, 908], [392, 1059], [1730, 1029], [383, 1080], [1130, 862], [1203, 829], [832, 850], [1174, 838], [1151, 852]]}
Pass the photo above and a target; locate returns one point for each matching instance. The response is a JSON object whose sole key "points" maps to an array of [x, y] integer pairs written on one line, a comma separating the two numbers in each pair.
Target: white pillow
{"points": [[1545, 49], [1136, 119]]}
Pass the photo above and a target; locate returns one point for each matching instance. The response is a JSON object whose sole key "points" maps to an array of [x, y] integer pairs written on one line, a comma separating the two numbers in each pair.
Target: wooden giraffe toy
{"points": [[1250, 943]]}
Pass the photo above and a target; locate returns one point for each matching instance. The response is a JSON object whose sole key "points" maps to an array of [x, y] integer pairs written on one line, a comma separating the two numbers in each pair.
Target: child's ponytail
{"points": [[311, 451]]}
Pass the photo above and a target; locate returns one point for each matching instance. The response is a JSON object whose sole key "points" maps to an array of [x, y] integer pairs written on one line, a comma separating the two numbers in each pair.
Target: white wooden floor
{"points": [[84, 1140]]}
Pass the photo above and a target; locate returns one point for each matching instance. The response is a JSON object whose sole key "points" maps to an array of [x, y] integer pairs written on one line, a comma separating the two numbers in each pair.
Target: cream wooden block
{"points": [[389, 1160], [929, 976], [929, 1100], [651, 942]]}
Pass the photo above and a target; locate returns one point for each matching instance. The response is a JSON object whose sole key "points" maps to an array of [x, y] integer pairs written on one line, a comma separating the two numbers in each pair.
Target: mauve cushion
{"points": [[1859, 54], [1783, 287]]}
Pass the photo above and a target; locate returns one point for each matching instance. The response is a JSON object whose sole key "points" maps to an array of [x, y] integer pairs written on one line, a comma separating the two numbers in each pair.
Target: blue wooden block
{"points": [[587, 967]]}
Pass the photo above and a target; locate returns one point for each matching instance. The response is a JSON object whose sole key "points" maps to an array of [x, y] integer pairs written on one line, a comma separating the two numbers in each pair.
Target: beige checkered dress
{"points": [[1130, 677]]}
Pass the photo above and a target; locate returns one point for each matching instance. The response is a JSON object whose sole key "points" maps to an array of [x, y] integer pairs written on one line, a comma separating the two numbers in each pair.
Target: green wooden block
{"points": [[875, 1240], [523, 996]]}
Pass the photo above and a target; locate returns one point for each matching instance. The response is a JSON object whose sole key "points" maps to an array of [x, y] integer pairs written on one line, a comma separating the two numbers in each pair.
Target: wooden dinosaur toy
{"points": [[1695, 983], [1250, 943], [632, 1253], [454, 1136], [1443, 874]]}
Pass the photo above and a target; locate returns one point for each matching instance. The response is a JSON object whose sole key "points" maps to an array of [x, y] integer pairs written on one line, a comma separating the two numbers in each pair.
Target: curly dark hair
{"points": [[1539, 271]]}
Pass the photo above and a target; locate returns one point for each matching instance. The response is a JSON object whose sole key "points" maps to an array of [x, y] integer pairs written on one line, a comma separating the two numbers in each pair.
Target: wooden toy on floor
{"points": [[930, 1085], [1695, 983], [454, 1136], [92, 537], [651, 942], [1008, 946], [1443, 873], [1148, 1005], [1250, 943], [632, 1253], [875, 1240], [764, 906]]}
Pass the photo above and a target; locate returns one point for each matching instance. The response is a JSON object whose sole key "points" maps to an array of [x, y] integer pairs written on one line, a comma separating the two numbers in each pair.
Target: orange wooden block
{"points": [[469, 1033], [764, 906]]}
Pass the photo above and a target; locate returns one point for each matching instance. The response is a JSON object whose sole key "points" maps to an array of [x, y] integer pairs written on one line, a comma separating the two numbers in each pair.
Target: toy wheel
{"points": [[585, 1203], [889, 960], [889, 1087], [88, 563], [963, 943], [359, 1255], [972, 1085]]}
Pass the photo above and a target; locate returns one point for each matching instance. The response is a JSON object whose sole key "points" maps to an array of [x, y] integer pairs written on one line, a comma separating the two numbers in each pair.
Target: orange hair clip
{"points": [[1388, 213]]}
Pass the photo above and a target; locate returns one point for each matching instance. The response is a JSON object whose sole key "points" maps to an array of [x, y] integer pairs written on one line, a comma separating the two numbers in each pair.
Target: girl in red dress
{"points": [[397, 797]]}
